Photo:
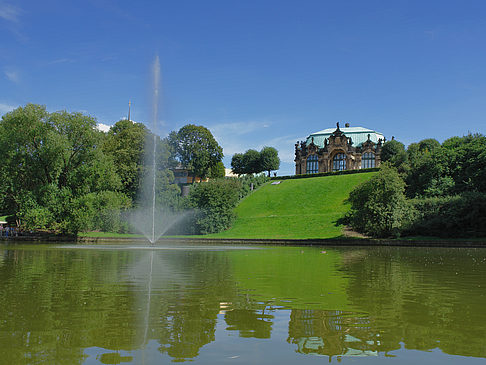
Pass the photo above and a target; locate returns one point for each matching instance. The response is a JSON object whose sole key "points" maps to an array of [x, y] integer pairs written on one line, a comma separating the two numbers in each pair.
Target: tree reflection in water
{"points": [[62, 305]]}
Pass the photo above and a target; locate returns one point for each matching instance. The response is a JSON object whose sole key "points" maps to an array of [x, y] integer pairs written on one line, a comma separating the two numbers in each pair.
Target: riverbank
{"points": [[336, 241]]}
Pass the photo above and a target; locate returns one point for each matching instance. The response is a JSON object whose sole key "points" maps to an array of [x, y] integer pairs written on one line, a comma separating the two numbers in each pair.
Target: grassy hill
{"points": [[300, 208]]}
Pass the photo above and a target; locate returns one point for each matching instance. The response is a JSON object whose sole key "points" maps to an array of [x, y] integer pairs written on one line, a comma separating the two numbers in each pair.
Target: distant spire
{"points": [[129, 104]]}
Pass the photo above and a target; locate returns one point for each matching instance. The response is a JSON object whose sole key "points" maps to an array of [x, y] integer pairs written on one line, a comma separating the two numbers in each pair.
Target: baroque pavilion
{"points": [[348, 148]]}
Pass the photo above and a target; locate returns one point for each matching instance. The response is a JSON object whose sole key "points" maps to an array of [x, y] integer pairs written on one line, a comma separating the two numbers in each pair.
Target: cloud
{"points": [[431, 34], [239, 128], [10, 13], [5, 108], [103, 127], [12, 75], [240, 136], [285, 146], [61, 60]]}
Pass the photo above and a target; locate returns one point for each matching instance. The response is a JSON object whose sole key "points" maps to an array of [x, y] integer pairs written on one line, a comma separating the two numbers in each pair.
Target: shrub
{"points": [[378, 206], [246, 182], [214, 202], [451, 216]]}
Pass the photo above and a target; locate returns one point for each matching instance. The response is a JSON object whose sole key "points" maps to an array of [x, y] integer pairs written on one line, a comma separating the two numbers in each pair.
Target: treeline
{"points": [[254, 162], [428, 189], [60, 173]]}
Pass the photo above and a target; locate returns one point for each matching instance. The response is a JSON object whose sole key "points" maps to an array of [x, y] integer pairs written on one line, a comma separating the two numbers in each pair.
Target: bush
{"points": [[331, 173], [451, 216], [378, 206], [214, 202], [246, 182], [97, 211]]}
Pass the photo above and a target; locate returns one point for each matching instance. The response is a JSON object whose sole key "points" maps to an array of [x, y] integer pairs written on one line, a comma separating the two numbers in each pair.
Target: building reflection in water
{"points": [[331, 333]]}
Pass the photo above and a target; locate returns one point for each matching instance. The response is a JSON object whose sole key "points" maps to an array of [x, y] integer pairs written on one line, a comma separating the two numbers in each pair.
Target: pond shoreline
{"points": [[459, 243]]}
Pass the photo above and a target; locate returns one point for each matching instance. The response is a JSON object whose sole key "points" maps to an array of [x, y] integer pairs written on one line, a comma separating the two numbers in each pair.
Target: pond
{"points": [[212, 304]]}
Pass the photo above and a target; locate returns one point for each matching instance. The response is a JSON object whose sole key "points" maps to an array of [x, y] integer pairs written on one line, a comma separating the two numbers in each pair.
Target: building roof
{"points": [[358, 135]]}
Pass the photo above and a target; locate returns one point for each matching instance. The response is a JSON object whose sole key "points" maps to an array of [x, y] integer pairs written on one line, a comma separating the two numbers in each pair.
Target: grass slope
{"points": [[295, 209]]}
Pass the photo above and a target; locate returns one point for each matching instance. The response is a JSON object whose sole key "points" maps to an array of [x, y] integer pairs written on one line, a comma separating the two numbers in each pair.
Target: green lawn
{"points": [[295, 209]]}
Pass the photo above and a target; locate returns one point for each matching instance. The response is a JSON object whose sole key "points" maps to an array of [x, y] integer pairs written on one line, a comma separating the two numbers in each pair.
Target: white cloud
{"points": [[61, 60], [12, 75], [103, 127], [5, 108], [9, 12], [240, 136], [285, 146], [238, 128]]}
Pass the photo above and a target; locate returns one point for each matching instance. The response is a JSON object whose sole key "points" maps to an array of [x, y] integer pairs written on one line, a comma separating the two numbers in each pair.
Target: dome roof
{"points": [[358, 135]]}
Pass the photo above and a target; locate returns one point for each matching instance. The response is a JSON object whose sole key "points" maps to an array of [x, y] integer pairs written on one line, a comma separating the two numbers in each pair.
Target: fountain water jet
{"points": [[155, 109], [151, 219]]}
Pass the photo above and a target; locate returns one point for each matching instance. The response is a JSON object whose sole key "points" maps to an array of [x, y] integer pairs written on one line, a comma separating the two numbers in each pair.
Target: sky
{"points": [[255, 72]]}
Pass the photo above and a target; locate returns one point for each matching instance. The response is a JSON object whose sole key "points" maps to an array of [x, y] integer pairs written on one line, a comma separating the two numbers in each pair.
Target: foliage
{"points": [[457, 166], [446, 183], [237, 165], [51, 160], [269, 159], [251, 162], [450, 216], [125, 142], [217, 171], [97, 211], [254, 162], [378, 206], [249, 181], [330, 173], [394, 153], [465, 161], [214, 201], [167, 193], [196, 149]]}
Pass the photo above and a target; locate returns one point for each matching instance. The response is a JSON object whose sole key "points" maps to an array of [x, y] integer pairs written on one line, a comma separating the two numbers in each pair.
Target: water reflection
{"points": [[107, 305], [332, 333]]}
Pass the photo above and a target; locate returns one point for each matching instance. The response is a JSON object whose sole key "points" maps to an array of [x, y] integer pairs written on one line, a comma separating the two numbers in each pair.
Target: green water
{"points": [[118, 304]]}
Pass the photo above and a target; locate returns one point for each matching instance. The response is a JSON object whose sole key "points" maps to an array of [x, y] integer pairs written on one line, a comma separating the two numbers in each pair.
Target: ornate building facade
{"points": [[349, 148]]}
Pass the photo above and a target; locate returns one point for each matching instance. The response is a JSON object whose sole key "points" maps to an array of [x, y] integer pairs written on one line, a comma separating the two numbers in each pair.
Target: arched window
{"points": [[339, 162], [368, 160], [312, 167]]}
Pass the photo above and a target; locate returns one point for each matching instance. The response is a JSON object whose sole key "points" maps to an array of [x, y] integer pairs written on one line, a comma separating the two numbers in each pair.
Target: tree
{"points": [[251, 162], [214, 201], [237, 164], [465, 158], [196, 149], [49, 160], [269, 159], [217, 171], [125, 142], [378, 206], [394, 152]]}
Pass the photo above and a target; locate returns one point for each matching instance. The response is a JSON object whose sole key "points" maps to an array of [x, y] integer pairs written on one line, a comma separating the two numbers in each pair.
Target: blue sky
{"points": [[254, 72]]}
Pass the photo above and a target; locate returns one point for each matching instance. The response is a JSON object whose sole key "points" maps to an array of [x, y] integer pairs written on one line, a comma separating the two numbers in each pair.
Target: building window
{"points": [[312, 167], [368, 160], [339, 162]]}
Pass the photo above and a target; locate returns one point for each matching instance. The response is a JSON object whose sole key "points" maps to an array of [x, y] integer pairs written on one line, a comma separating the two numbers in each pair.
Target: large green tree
{"points": [[251, 162], [125, 142], [269, 159], [50, 161], [196, 149], [378, 206], [394, 153], [237, 164]]}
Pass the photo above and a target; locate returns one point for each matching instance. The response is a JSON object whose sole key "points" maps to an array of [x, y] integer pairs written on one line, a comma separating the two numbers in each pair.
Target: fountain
{"points": [[151, 218]]}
